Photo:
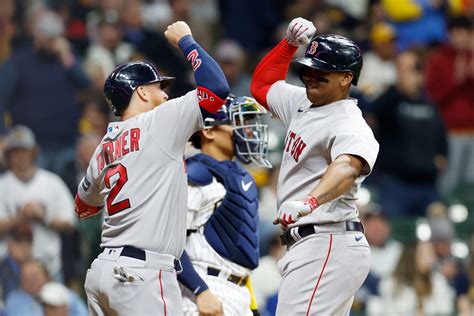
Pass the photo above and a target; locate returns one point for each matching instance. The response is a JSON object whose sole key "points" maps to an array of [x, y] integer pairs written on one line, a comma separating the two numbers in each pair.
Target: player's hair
{"points": [[196, 140], [407, 273]]}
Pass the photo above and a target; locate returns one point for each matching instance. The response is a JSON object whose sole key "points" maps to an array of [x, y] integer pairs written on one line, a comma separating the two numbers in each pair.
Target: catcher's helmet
{"points": [[124, 79], [333, 53], [250, 134]]}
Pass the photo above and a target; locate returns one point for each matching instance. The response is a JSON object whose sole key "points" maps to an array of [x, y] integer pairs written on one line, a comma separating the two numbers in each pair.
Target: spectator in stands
{"points": [[231, 57], [7, 29], [417, 22], [19, 243], [54, 298], [154, 46], [36, 196], [379, 71], [108, 51], [58, 300], [384, 249], [104, 9], [37, 87], [449, 82], [442, 235], [23, 301], [414, 288], [412, 141], [85, 147], [96, 115], [261, 19]]}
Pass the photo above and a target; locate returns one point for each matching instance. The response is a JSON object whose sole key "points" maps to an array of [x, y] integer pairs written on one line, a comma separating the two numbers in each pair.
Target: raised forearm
{"points": [[271, 69], [211, 83]]}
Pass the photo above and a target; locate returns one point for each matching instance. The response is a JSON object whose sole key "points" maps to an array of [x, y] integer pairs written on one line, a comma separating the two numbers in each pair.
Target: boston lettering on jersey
{"points": [[125, 144], [296, 143]]}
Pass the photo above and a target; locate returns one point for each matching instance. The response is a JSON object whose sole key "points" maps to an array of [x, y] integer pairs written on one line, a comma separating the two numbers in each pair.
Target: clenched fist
{"points": [[291, 211], [176, 31], [209, 304], [300, 31]]}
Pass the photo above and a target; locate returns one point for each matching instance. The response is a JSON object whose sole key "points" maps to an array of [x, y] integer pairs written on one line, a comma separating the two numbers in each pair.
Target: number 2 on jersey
{"points": [[123, 178]]}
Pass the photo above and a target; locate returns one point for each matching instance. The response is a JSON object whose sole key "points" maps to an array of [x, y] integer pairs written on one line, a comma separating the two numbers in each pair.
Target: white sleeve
{"points": [[284, 100], [355, 139], [89, 190], [63, 205], [173, 122]]}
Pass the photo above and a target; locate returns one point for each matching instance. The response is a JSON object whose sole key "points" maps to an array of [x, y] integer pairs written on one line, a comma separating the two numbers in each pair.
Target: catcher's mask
{"points": [[250, 135]]}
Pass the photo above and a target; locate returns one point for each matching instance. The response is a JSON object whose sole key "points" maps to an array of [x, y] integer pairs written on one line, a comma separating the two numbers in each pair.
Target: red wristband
{"points": [[311, 201]]}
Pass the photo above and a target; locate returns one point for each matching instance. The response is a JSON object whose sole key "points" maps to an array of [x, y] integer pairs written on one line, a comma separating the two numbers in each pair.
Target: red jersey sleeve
{"points": [[272, 68]]}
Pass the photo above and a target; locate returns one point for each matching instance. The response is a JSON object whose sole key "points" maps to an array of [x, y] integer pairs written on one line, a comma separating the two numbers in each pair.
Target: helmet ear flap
{"points": [[117, 99]]}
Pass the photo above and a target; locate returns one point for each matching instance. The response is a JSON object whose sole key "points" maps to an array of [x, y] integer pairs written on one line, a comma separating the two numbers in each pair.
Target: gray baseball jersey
{"points": [[138, 175], [316, 136]]}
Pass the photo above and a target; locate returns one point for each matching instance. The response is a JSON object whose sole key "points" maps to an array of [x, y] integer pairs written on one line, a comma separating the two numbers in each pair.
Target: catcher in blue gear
{"points": [[222, 246]]}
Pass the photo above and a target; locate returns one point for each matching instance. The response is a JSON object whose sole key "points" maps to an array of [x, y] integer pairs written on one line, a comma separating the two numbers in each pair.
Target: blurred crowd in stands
{"points": [[416, 91]]}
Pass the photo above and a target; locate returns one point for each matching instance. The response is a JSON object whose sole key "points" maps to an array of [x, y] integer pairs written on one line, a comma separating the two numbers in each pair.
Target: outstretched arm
{"points": [[208, 303], [338, 178], [212, 86], [275, 64]]}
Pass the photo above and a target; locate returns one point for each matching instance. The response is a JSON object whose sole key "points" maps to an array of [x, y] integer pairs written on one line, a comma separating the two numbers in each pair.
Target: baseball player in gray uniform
{"points": [[137, 176], [329, 151]]}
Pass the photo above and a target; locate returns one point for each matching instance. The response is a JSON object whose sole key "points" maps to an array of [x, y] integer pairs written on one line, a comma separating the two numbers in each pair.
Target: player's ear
{"points": [[143, 93], [346, 79], [208, 134]]}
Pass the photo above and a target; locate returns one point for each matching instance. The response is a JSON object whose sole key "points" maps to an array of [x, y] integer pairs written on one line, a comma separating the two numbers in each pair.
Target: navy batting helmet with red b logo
{"points": [[124, 79], [332, 53]]}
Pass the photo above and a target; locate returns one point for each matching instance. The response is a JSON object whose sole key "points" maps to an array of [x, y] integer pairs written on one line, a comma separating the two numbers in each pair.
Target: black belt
{"points": [[190, 231], [306, 230], [132, 252], [140, 254], [240, 281]]}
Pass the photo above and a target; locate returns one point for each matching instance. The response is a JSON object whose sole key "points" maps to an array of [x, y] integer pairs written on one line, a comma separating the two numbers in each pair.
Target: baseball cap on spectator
{"points": [[370, 210], [382, 33], [22, 232], [441, 229], [20, 137], [49, 24], [229, 50], [54, 294]]}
